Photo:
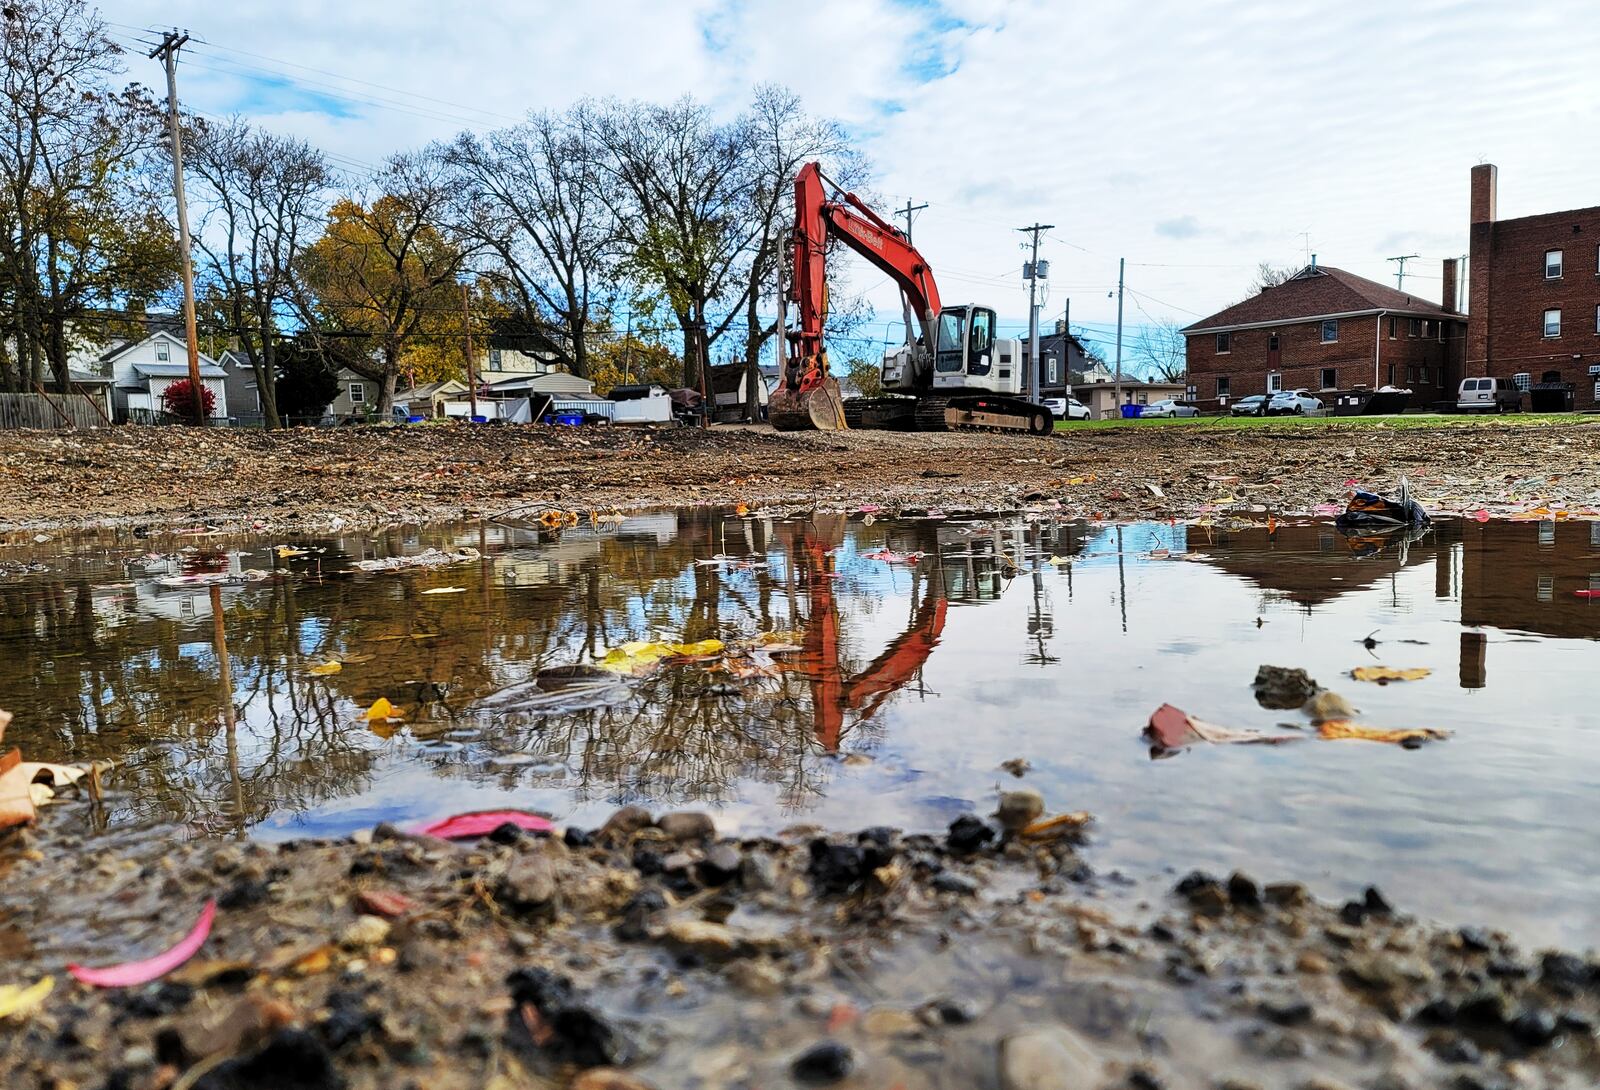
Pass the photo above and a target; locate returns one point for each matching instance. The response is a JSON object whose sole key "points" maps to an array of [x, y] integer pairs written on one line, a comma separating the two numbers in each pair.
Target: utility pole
{"points": [[905, 303], [1034, 274], [171, 42], [1066, 346], [1400, 273], [627, 351], [1121, 267], [466, 330]]}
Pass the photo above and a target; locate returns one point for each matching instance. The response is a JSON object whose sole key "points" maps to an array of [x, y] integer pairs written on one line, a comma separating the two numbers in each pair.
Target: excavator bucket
{"points": [[818, 409]]}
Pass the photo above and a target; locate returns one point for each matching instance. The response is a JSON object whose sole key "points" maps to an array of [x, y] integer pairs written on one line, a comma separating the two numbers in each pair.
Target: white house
{"points": [[142, 370]]}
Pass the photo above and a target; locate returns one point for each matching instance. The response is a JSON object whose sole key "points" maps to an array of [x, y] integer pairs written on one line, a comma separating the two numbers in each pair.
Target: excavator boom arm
{"points": [[868, 234]]}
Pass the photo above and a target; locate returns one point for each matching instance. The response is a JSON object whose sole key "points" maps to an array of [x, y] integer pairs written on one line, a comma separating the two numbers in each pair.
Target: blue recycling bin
{"points": [[1132, 412]]}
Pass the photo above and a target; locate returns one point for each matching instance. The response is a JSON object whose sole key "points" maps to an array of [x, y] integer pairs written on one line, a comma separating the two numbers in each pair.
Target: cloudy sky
{"points": [[1195, 140]]}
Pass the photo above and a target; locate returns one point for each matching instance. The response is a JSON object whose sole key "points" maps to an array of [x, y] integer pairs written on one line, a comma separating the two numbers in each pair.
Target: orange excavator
{"points": [[954, 373]]}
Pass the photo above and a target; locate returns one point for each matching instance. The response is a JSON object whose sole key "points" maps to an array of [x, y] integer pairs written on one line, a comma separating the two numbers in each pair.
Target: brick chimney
{"points": [[1485, 183], [1447, 297]]}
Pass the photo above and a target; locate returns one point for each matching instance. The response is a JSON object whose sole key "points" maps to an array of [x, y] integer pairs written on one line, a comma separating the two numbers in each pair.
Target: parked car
{"points": [[1254, 405], [1067, 408], [1489, 395], [1167, 407], [1292, 403]]}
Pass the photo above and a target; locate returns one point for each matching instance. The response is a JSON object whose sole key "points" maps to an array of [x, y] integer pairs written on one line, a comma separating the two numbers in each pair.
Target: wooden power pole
{"points": [[472, 376], [171, 42]]}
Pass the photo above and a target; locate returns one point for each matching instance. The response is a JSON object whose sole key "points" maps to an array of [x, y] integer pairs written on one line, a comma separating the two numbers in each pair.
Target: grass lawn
{"points": [[1410, 420]]}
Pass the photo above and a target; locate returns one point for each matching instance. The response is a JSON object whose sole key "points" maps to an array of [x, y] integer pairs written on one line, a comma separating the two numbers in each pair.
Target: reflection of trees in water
{"points": [[97, 674]]}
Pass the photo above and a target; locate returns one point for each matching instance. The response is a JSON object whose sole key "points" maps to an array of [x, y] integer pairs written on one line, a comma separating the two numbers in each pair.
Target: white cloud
{"points": [[1355, 122]]}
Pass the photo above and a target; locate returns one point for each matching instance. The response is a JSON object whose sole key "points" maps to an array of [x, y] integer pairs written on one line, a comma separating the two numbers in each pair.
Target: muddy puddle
{"points": [[871, 671]]}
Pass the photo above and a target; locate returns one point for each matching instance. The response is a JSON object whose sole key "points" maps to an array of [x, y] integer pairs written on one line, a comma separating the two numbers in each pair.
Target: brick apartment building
{"points": [[1324, 330], [1534, 299]]}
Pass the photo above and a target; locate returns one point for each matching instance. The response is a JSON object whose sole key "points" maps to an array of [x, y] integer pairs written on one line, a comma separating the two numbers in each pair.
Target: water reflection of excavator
{"points": [[954, 372], [833, 695]]}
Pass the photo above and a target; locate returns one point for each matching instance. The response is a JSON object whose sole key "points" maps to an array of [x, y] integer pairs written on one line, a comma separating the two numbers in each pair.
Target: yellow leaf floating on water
{"points": [[323, 669], [16, 1000], [1382, 674], [1334, 730], [637, 656], [446, 590], [290, 550], [1052, 827], [382, 709]]}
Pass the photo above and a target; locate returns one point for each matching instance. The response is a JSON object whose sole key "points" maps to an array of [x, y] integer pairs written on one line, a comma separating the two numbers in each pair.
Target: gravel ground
{"points": [[167, 477]]}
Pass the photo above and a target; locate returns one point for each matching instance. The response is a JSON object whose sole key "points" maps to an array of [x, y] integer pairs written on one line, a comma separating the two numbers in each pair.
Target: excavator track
{"points": [[983, 413], [881, 413]]}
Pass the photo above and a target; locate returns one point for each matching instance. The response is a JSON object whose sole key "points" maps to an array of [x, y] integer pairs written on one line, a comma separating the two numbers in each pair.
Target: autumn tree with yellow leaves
{"points": [[385, 274]]}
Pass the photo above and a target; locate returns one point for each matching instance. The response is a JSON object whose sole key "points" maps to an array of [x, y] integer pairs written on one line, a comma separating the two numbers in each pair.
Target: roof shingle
{"points": [[1325, 290]]}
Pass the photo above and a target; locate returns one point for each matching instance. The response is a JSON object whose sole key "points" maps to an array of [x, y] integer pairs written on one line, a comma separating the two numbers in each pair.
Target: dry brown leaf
{"points": [[1052, 827], [1384, 674]]}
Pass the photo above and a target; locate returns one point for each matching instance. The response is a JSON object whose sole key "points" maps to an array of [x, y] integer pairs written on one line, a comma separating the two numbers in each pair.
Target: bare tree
{"points": [[84, 233], [1161, 350], [538, 204], [1269, 275], [681, 210], [260, 199]]}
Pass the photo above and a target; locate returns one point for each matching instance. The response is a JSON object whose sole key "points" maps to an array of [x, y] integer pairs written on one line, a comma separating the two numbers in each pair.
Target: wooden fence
{"points": [[54, 411]]}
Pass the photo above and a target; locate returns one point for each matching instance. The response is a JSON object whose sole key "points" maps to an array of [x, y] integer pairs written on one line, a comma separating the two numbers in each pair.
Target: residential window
{"points": [[358, 393], [1272, 343], [1144, 398], [1330, 331], [1394, 325], [163, 351], [1274, 382], [1423, 371], [1413, 327], [1224, 384], [1411, 373], [1552, 323], [1597, 319], [1224, 343], [1552, 265], [1330, 378], [1050, 370], [494, 359]]}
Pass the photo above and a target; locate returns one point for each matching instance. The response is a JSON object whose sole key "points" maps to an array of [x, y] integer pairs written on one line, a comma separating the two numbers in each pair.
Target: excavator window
{"points": [[981, 341], [951, 354]]}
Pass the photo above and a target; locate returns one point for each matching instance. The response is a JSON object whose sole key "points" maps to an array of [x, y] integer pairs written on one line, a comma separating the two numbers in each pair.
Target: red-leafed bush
{"points": [[179, 399]]}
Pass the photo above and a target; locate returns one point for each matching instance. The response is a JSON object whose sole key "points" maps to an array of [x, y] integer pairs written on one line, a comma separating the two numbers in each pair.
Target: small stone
{"points": [[1376, 903], [1018, 808], [678, 862], [365, 931], [721, 865], [1475, 939], [838, 868], [758, 871], [1283, 687], [1017, 766], [1485, 1008], [1567, 973], [1534, 1028], [1311, 962], [1328, 706], [951, 882], [1048, 1059], [1286, 1012], [687, 825], [529, 885], [760, 978], [625, 822], [709, 940], [889, 1022], [1243, 891], [608, 1078], [1456, 1050], [947, 1012], [575, 837], [823, 1063], [968, 834], [1286, 894]]}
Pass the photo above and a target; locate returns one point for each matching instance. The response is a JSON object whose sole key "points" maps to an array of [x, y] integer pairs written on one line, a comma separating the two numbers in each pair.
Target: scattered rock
{"points": [[1018, 807], [383, 902], [823, 1063], [557, 1021], [529, 885], [608, 1078], [1285, 1012], [1534, 1027], [758, 871], [365, 931], [722, 865], [951, 882], [890, 1022], [714, 941], [1048, 1059], [968, 834], [1327, 706], [1283, 687], [292, 1058], [625, 822], [1286, 894], [1243, 891], [686, 825], [756, 977], [1017, 766]]}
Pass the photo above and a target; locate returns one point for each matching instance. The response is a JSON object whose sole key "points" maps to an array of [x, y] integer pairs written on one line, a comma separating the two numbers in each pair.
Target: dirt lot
{"points": [[162, 477]]}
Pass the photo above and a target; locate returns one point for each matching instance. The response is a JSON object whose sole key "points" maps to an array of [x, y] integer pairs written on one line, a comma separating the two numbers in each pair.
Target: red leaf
{"points": [[383, 902], [132, 973], [484, 822]]}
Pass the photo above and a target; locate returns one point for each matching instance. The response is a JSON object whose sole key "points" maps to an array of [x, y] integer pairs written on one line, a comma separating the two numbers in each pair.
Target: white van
{"points": [[1490, 395]]}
